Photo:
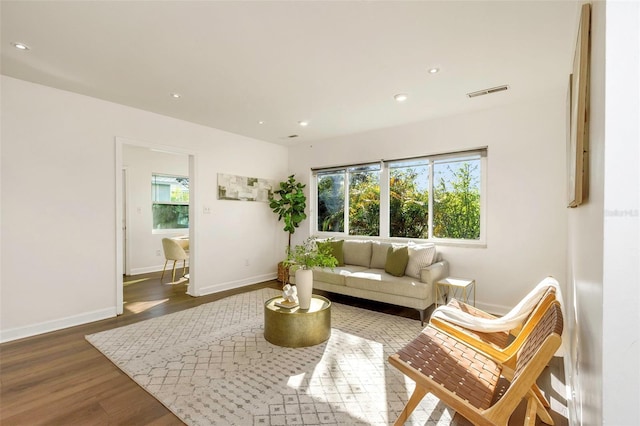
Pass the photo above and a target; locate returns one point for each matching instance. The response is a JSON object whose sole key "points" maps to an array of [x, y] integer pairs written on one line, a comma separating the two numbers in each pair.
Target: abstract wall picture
{"points": [[242, 188], [578, 146]]}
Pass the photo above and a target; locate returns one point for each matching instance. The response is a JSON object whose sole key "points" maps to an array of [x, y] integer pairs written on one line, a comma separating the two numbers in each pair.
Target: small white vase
{"points": [[304, 282]]}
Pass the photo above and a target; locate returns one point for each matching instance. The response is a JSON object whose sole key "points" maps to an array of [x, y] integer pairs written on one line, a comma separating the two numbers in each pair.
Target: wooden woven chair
{"points": [[498, 345], [468, 380]]}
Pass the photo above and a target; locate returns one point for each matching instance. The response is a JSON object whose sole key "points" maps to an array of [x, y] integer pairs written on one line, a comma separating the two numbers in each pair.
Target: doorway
{"points": [[138, 240]]}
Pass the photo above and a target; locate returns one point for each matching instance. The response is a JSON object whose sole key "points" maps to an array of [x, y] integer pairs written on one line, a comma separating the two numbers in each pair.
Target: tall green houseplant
{"points": [[289, 203]]}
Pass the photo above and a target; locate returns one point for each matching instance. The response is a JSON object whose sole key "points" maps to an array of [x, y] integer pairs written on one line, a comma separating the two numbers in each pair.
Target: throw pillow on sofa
{"points": [[336, 249], [397, 258], [420, 256]]}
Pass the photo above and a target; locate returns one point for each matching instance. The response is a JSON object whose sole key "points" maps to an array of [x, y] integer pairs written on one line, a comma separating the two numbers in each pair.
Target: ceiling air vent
{"points": [[488, 91], [293, 136]]}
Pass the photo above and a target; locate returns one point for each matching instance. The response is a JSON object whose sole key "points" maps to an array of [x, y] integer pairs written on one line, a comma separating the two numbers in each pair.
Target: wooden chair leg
{"points": [[543, 413], [173, 275], [184, 267], [541, 399], [413, 402], [535, 408], [165, 267], [530, 415]]}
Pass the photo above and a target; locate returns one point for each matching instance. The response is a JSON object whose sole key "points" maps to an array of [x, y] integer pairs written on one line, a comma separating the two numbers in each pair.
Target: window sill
{"points": [[170, 231], [400, 240]]}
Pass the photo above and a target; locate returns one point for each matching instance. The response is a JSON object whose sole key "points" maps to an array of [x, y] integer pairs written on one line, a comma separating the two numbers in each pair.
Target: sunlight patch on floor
{"points": [[137, 307], [126, 283], [344, 376], [295, 382], [181, 280]]}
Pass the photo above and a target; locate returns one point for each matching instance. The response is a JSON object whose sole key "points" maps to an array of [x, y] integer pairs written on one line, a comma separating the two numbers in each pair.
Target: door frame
{"points": [[126, 235], [193, 219]]}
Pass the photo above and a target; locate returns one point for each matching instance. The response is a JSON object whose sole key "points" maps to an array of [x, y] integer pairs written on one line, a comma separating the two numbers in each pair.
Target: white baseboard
{"points": [[570, 392], [202, 291], [54, 325], [148, 269], [87, 317], [493, 309]]}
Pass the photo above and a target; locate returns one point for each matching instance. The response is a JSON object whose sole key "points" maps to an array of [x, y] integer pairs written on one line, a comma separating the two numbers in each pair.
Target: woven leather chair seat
{"points": [[454, 365]]}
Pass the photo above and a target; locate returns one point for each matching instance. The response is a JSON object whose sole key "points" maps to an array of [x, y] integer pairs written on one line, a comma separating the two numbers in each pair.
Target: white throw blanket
{"points": [[511, 320]]}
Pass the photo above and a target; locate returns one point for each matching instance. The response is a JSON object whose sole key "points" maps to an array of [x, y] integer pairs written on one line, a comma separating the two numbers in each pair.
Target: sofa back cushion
{"points": [[357, 252], [379, 254], [397, 258], [420, 256]]}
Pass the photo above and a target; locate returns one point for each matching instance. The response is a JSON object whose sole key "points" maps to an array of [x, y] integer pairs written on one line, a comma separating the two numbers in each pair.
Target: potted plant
{"points": [[289, 203], [305, 257]]}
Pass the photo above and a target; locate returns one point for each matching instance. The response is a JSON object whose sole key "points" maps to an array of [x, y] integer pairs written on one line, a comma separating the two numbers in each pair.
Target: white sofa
{"points": [[363, 274]]}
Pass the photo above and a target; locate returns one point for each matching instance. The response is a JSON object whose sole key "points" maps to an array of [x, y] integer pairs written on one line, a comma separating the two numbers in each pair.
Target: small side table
{"points": [[459, 288], [297, 328]]}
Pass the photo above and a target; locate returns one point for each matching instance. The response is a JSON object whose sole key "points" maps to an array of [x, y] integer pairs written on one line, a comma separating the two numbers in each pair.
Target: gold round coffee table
{"points": [[296, 328]]}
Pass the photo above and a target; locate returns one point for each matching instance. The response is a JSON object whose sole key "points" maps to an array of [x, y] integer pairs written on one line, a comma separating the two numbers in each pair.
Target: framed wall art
{"points": [[243, 188], [578, 144]]}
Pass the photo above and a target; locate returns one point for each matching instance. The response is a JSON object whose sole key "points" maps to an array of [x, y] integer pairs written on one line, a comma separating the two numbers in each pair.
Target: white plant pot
{"points": [[304, 282]]}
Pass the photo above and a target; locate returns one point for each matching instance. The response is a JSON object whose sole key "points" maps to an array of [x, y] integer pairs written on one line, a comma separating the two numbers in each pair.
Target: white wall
{"points": [[526, 217], [58, 205], [585, 252], [144, 245], [604, 233], [621, 266]]}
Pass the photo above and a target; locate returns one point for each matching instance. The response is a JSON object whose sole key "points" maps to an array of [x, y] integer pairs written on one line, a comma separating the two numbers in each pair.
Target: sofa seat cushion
{"points": [[336, 275], [380, 281]]}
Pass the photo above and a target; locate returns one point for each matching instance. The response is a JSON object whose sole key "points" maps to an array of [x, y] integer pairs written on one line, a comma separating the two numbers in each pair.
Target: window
{"points": [[409, 199], [435, 197], [456, 198], [362, 184], [331, 201], [364, 200], [170, 202]]}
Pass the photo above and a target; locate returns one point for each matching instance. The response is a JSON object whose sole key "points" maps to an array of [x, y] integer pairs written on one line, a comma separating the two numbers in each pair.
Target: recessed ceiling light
{"points": [[261, 122], [176, 95], [434, 70], [303, 123], [20, 46], [401, 97]]}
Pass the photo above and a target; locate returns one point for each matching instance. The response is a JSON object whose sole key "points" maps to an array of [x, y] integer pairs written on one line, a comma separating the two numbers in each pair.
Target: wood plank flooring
{"points": [[58, 378]]}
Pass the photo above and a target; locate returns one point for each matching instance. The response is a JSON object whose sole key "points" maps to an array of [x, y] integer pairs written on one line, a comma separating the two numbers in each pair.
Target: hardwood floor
{"points": [[58, 378]]}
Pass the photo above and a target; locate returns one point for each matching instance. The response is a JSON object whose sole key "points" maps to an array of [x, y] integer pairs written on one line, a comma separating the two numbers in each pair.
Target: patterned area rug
{"points": [[211, 365]]}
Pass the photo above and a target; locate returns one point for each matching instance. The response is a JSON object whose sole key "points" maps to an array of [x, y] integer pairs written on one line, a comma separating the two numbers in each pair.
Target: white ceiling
{"points": [[336, 64]]}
